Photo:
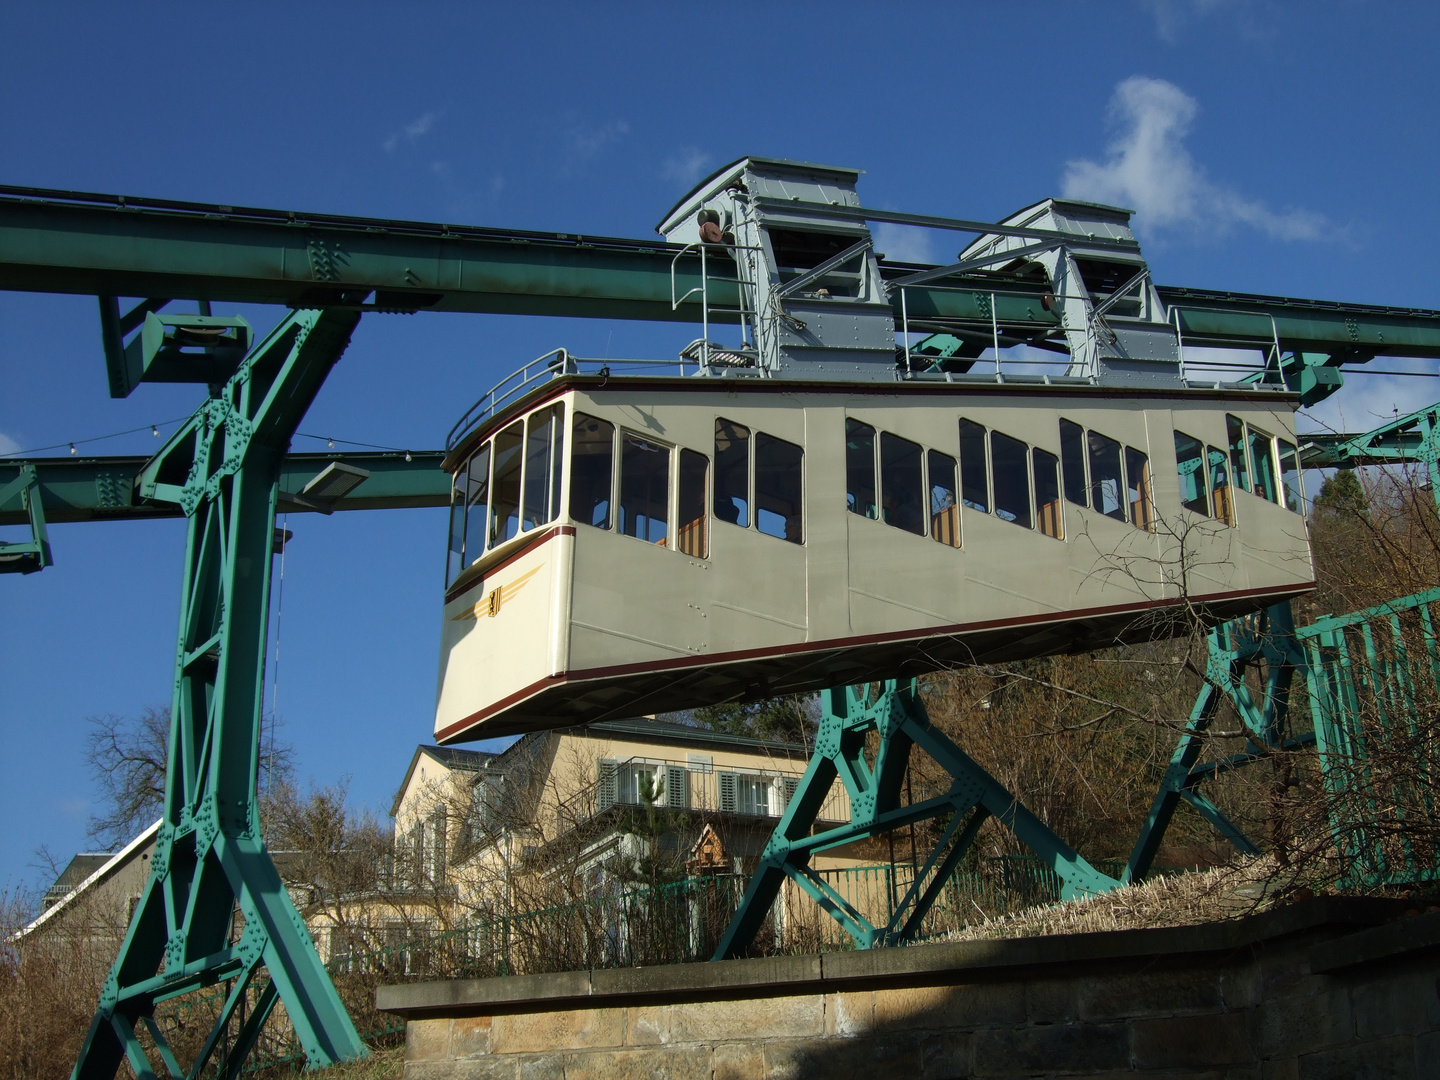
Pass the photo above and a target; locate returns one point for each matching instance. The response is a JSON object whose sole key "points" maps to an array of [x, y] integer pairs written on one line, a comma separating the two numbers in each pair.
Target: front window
{"points": [[505, 485], [592, 465]]}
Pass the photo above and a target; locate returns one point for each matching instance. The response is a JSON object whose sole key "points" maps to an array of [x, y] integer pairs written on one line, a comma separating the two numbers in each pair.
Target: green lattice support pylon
{"points": [[898, 718], [1266, 637], [223, 468], [26, 556]]}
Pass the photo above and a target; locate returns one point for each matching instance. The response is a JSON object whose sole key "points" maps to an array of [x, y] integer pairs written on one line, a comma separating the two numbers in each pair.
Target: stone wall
{"points": [[1325, 988]]}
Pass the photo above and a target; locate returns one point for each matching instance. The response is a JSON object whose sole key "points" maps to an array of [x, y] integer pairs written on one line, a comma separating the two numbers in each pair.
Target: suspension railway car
{"points": [[629, 544]]}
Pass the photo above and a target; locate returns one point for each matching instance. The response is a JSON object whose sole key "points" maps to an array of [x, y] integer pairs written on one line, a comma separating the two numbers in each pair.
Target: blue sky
{"points": [[1265, 152]]}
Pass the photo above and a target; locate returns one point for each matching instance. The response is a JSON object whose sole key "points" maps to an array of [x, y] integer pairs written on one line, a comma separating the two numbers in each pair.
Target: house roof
{"points": [[451, 757], [647, 729], [103, 872]]}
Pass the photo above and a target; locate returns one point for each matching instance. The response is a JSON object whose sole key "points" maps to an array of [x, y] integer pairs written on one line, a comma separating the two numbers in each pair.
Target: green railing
{"points": [[1373, 679]]}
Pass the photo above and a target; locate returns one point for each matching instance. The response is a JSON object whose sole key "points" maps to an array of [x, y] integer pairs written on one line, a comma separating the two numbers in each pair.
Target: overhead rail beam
{"points": [[104, 488], [111, 246]]}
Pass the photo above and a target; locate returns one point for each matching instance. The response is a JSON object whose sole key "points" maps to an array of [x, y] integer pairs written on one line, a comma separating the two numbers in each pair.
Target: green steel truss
{"points": [[25, 556], [896, 716], [222, 468], [1265, 640]]}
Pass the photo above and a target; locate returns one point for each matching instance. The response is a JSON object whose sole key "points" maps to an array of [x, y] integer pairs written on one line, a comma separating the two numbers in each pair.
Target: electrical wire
{"points": [[72, 443]]}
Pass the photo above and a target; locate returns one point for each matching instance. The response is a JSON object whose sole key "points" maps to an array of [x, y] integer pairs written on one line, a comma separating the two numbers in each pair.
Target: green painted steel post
{"points": [[223, 468]]}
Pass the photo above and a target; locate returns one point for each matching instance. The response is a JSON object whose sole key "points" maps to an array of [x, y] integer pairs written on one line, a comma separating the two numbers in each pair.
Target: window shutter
{"points": [[438, 834], [727, 792], [607, 795], [677, 794], [791, 783]]}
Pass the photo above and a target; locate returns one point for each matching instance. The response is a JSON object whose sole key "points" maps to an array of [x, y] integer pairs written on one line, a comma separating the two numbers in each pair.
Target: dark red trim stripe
{"points": [[461, 586], [832, 644]]}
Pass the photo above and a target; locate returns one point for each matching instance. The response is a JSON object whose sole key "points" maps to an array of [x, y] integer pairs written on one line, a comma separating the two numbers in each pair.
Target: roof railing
{"points": [[552, 365]]}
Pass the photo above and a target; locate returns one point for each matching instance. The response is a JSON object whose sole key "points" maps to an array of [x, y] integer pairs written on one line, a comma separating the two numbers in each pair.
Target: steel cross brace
{"points": [[223, 468], [1267, 636], [26, 557], [896, 714]]}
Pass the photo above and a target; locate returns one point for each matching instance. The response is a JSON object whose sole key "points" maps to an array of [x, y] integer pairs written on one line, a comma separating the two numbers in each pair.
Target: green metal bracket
{"points": [[1266, 638], [895, 714], [26, 557], [169, 348], [223, 468]]}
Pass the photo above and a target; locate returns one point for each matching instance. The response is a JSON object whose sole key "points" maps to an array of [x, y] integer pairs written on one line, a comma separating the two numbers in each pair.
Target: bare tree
{"points": [[127, 757]]}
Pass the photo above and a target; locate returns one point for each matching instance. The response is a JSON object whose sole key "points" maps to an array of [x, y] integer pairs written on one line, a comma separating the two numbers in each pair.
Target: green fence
{"points": [[1373, 679]]}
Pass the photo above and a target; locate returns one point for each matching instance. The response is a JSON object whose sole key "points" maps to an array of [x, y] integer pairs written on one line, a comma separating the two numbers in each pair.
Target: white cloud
{"points": [[1171, 15], [584, 142], [1148, 169], [904, 243], [8, 445], [685, 166], [421, 125]]}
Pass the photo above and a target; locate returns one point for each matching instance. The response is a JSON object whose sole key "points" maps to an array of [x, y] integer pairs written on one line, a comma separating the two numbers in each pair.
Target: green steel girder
{"points": [[24, 557], [1414, 437], [898, 719], [223, 467], [111, 246], [105, 488]]}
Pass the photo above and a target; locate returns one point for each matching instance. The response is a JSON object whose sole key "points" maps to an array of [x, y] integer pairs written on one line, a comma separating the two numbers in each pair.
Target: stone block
{"points": [[1150, 993], [427, 1040], [752, 1018], [472, 1069], [1241, 987], [1379, 1059], [937, 1008], [469, 1036], [1283, 1068], [946, 1056], [1402, 1005], [667, 1063], [540, 1067], [849, 1014], [570, 1029], [1182, 1042], [1051, 1001], [647, 1025], [1302, 1023], [1052, 1048], [739, 1061], [789, 1059]]}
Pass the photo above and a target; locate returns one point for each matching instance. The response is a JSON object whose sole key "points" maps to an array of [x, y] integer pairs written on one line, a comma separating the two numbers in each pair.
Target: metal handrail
{"points": [[552, 365]]}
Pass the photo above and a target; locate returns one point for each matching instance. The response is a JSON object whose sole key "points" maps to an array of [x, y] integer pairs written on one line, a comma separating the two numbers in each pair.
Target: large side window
{"points": [[860, 469], [1047, 492], [1190, 465], [693, 535], [542, 452], [455, 554], [779, 488], [1107, 485], [1072, 462], [1235, 432], [902, 483], [973, 490], [944, 510], [1290, 476], [1011, 478], [1262, 457], [1220, 485], [732, 473], [477, 503], [592, 466], [1137, 489], [644, 489], [505, 485]]}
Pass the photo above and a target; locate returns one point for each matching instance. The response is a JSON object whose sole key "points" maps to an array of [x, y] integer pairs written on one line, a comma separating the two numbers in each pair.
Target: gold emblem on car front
{"points": [[490, 604]]}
